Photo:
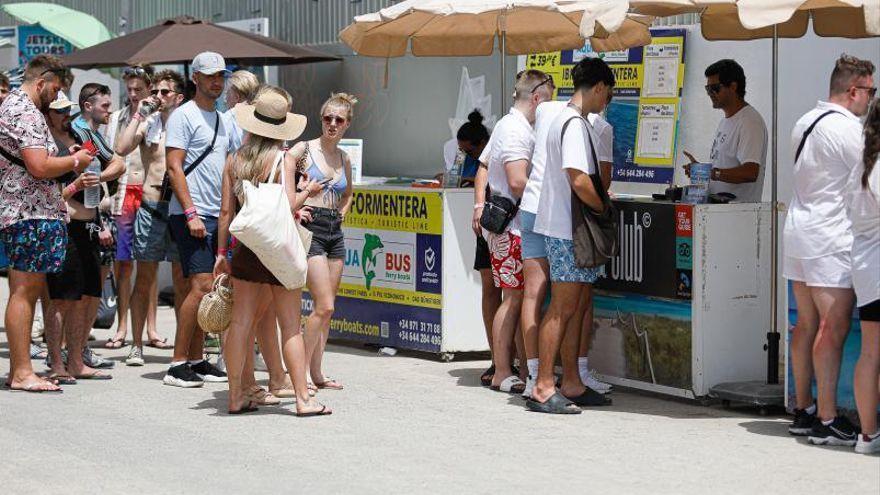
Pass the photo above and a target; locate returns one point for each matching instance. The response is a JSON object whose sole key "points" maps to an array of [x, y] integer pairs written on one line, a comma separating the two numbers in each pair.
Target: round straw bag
{"points": [[215, 310]]}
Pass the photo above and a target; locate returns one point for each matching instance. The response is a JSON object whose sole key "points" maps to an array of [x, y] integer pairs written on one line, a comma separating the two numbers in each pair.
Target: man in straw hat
{"points": [[196, 144]]}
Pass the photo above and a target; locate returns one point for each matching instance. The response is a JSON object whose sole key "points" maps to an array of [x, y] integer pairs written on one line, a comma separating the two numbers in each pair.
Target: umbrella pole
{"points": [[503, 67], [773, 335]]}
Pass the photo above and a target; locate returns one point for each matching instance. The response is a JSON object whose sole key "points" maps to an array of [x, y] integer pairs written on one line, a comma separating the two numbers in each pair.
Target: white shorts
{"points": [[831, 270]]}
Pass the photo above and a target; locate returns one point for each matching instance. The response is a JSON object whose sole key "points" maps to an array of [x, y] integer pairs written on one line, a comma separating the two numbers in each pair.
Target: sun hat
{"points": [[268, 117], [61, 102], [209, 63]]}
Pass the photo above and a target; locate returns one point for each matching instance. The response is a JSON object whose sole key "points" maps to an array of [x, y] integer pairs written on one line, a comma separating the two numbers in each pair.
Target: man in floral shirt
{"points": [[32, 220]]}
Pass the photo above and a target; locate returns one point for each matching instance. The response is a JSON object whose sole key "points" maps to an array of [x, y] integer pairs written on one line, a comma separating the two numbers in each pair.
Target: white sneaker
{"points": [[259, 363], [221, 364], [530, 385], [591, 381], [867, 445], [135, 357]]}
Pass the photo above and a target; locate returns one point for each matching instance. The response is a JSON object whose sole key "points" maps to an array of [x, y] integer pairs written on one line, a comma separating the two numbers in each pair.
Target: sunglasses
{"points": [[136, 71], [330, 119], [714, 89], [545, 81], [163, 92], [61, 73], [871, 91], [62, 111], [101, 89]]}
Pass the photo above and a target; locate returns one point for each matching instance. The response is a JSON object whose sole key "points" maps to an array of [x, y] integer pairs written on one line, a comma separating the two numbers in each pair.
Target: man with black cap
{"points": [[196, 144]]}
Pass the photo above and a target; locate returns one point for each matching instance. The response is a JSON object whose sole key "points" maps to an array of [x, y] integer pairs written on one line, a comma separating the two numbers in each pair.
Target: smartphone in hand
{"points": [[90, 147]]}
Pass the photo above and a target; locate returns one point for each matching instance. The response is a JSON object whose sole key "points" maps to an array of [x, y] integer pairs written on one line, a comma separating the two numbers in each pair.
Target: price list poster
{"points": [[646, 105]]}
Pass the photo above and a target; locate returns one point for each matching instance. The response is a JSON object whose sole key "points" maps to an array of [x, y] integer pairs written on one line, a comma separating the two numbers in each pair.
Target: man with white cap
{"points": [[196, 144]]}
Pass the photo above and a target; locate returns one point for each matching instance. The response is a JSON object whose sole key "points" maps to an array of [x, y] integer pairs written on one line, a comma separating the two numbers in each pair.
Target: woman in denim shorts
{"points": [[322, 161]]}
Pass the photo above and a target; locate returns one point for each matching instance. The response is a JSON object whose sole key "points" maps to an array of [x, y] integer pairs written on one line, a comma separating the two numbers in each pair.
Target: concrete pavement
{"points": [[403, 424]]}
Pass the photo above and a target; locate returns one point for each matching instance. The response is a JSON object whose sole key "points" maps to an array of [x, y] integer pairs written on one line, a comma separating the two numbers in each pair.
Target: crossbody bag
{"points": [[166, 190]]}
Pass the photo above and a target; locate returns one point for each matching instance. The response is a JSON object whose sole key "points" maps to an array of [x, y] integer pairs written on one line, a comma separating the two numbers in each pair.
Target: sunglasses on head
{"points": [[61, 73], [62, 111], [136, 71], [330, 119], [714, 88], [101, 89], [548, 80], [163, 91]]}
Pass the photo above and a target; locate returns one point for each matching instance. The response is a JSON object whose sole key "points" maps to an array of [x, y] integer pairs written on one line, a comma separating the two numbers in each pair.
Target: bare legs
{"points": [[503, 331], [866, 374], [835, 309], [190, 338], [323, 281], [24, 289], [123, 274], [563, 307]]}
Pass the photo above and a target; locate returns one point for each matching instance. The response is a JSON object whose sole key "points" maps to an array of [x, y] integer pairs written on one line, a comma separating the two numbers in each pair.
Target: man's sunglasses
{"points": [[714, 89], [871, 91], [330, 119], [61, 73], [101, 89], [136, 71], [163, 92], [549, 81], [62, 111]]}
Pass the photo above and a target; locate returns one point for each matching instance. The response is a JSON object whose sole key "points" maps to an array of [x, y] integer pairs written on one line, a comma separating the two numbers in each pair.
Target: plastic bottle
{"points": [[453, 176], [92, 195]]}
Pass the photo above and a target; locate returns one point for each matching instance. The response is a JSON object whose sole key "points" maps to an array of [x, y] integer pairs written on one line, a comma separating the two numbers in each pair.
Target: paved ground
{"points": [[403, 423]]}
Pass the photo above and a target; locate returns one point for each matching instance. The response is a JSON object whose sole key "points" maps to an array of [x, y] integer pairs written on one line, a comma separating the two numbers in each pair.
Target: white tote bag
{"points": [[265, 225]]}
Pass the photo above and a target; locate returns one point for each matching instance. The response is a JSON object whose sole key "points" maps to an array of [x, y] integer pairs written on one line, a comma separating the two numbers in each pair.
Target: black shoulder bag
{"points": [[594, 234], [498, 212], [166, 182], [809, 131]]}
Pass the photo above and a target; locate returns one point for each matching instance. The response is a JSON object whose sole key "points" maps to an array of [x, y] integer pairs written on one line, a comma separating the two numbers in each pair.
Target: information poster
{"points": [[391, 279], [646, 105], [35, 40]]}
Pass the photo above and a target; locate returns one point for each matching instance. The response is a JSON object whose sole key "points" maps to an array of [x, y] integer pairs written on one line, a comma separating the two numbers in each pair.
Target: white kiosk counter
{"points": [[408, 280]]}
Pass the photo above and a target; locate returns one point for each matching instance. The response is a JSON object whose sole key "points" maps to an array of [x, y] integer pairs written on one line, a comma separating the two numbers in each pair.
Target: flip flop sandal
{"points": [[556, 404], [160, 344], [322, 412], [590, 398], [511, 385], [62, 379], [326, 384], [283, 393], [32, 388], [114, 344], [244, 410], [94, 376], [486, 377], [263, 398]]}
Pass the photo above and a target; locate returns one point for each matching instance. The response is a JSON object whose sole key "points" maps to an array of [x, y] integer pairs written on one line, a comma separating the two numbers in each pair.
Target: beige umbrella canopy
{"points": [[432, 28], [755, 19]]}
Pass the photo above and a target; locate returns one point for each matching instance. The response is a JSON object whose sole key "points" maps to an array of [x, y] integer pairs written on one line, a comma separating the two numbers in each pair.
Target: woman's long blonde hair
{"points": [[257, 154]]}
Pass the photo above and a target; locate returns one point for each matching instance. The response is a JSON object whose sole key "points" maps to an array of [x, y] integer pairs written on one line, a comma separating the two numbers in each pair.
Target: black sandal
{"points": [[487, 376], [556, 404]]}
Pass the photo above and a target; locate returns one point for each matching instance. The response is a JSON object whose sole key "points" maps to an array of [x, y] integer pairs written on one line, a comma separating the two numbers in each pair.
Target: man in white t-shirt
{"points": [[507, 158], [571, 158], [739, 150], [536, 269], [817, 239]]}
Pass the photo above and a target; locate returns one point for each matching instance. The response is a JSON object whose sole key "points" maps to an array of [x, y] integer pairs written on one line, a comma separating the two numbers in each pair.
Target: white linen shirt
{"points": [[817, 223], [544, 116], [604, 133], [553, 218], [513, 139], [865, 216]]}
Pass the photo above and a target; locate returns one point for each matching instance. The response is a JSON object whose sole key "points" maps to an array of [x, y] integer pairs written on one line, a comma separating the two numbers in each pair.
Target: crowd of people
{"points": [[163, 179], [160, 180]]}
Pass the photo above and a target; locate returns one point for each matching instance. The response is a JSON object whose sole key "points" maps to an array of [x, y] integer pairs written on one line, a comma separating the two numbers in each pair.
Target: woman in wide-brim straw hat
{"points": [[267, 124]]}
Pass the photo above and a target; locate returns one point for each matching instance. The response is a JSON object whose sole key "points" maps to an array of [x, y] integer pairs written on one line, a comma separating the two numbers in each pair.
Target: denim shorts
{"points": [[560, 254], [35, 246], [152, 234], [532, 242], [327, 237], [196, 255]]}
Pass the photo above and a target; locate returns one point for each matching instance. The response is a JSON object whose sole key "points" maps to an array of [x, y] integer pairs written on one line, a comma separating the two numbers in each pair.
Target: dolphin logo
{"points": [[372, 246]]}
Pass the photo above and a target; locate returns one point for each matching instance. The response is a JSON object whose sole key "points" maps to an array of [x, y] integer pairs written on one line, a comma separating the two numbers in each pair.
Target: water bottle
{"points": [[453, 176], [92, 195]]}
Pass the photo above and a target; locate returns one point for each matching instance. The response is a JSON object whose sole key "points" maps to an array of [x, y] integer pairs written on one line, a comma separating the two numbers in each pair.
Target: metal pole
{"points": [[773, 335], [503, 28]]}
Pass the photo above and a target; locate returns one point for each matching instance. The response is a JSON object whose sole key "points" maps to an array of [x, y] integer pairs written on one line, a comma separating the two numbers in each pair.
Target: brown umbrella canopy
{"points": [[177, 41]]}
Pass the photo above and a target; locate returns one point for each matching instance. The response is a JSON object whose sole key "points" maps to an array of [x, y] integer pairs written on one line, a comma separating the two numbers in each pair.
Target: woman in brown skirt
{"points": [[267, 124]]}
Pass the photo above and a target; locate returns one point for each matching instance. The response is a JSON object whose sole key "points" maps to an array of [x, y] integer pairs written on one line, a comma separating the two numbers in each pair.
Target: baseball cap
{"points": [[209, 63], [61, 102]]}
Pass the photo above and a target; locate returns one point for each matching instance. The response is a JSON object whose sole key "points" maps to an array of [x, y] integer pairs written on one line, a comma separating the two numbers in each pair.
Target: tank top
{"points": [[333, 191]]}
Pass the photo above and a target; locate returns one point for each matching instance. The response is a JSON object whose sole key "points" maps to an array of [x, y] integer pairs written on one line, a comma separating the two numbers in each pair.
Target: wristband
{"points": [[71, 189], [222, 252], [137, 116], [479, 205], [190, 213]]}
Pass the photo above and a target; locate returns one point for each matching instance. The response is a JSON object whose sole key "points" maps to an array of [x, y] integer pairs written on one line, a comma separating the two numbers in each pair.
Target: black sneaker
{"points": [[803, 423], [209, 373], [183, 375], [840, 433]]}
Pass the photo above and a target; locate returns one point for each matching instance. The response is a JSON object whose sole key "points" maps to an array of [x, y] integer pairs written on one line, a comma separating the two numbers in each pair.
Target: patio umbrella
{"points": [[80, 29], [437, 28], [747, 20], [177, 41]]}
